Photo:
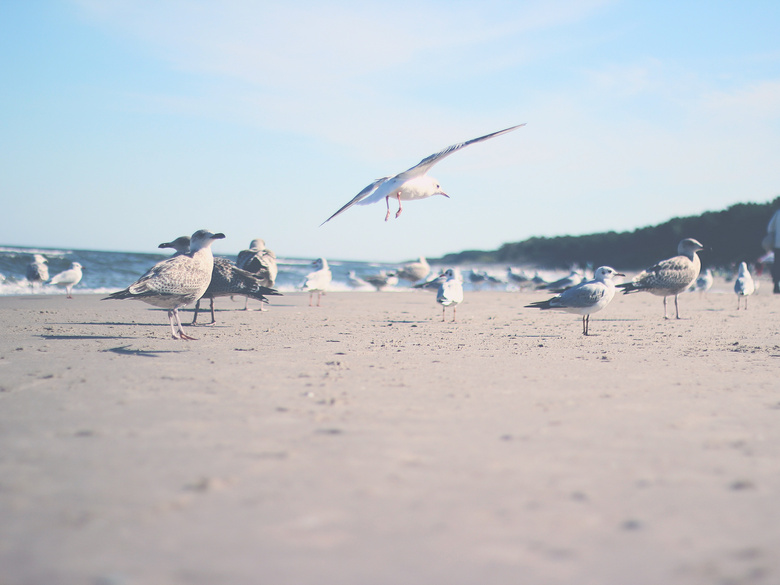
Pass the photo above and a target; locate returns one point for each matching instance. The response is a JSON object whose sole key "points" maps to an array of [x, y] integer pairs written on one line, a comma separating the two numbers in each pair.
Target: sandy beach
{"points": [[366, 442]]}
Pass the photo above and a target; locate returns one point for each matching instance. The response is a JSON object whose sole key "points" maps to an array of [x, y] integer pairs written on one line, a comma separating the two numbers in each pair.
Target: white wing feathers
{"points": [[425, 164]]}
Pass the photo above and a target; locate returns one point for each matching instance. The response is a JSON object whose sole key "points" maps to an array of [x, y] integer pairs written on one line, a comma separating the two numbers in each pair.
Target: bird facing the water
{"points": [[413, 183], [318, 281], [744, 285], [177, 281], [671, 276], [585, 298], [37, 271], [261, 262]]}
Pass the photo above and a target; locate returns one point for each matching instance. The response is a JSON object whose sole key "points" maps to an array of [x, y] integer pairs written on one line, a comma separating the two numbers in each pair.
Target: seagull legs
{"points": [[585, 324], [676, 308], [178, 331], [387, 201]]}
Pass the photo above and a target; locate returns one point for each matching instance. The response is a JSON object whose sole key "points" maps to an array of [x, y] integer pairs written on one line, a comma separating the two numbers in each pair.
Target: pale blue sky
{"points": [[126, 123]]}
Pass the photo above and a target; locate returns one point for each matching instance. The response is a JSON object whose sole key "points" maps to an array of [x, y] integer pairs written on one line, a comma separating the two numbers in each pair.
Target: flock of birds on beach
{"points": [[192, 273]]}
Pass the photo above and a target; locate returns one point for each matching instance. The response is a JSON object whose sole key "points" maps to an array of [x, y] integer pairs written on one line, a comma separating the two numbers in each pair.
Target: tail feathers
{"points": [[540, 305], [122, 294], [628, 287]]}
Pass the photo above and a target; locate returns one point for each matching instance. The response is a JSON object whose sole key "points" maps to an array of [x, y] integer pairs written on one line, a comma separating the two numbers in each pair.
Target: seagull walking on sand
{"points": [[226, 280], [450, 292], [671, 276], [318, 281], [744, 285], [585, 298], [177, 281], [413, 183], [69, 278], [37, 271]]}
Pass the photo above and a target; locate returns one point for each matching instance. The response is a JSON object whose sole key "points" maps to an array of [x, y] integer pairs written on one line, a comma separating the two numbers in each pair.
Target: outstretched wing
{"points": [[425, 164], [359, 197]]}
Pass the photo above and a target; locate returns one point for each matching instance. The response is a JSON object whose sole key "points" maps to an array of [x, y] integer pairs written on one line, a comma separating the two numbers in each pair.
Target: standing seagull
{"points": [[450, 292], [261, 262], [69, 278], [704, 282], [414, 271], [226, 279], [319, 280], [671, 276], [584, 298], [744, 285], [177, 281], [413, 183], [37, 271]]}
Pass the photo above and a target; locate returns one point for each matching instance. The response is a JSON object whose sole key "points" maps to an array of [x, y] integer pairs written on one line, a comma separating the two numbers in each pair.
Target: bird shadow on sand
{"points": [[126, 350], [82, 337]]}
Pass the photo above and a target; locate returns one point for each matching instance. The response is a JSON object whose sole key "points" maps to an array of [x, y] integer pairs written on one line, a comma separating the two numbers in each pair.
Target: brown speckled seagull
{"points": [[226, 280], [671, 276], [176, 281]]}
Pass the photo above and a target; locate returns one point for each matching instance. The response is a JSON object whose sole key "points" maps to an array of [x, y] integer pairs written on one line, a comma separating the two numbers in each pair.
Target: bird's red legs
{"points": [[387, 201]]}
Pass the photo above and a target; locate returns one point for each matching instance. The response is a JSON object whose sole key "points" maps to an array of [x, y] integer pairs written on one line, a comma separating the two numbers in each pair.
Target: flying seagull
{"points": [[584, 298], [413, 183], [671, 276]]}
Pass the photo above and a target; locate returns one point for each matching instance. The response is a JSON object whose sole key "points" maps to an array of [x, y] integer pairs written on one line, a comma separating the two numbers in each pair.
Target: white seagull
{"points": [[67, 279], [744, 285], [177, 281], [413, 183], [450, 292], [414, 271], [704, 282], [319, 280], [671, 276], [585, 298]]}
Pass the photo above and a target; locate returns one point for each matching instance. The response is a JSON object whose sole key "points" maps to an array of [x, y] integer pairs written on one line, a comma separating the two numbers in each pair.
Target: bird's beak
{"points": [[219, 236], [443, 193], [619, 274], [165, 245]]}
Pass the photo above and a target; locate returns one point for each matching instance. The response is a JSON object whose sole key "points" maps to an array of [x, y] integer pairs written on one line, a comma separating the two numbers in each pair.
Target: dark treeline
{"points": [[730, 236]]}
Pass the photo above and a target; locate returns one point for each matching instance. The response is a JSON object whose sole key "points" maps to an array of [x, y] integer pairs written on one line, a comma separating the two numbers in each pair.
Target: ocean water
{"points": [[106, 272]]}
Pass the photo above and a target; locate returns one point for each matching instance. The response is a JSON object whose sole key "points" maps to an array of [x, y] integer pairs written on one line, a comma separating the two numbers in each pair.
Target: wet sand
{"points": [[367, 442]]}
